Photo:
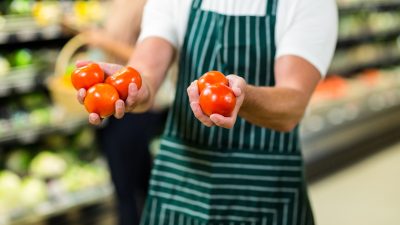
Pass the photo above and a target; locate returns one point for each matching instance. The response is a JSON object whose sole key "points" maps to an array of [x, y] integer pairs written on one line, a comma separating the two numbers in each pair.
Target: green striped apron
{"points": [[247, 175]]}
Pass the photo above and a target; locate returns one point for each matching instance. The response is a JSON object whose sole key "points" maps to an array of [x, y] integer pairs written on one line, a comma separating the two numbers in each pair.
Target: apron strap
{"points": [[196, 4]]}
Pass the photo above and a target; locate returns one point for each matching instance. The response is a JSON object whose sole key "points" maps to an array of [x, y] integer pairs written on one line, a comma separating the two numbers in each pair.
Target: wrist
{"points": [[146, 97], [247, 89]]}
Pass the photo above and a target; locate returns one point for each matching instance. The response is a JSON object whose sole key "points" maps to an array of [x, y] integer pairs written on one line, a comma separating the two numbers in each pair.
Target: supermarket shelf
{"points": [[25, 29], [66, 203], [370, 7], [28, 134], [368, 37], [349, 130], [377, 64], [20, 80]]}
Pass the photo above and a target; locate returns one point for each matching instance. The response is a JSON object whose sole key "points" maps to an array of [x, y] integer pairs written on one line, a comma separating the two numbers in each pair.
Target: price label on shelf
{"points": [[25, 86], [27, 35], [27, 136], [3, 38], [4, 90], [51, 32]]}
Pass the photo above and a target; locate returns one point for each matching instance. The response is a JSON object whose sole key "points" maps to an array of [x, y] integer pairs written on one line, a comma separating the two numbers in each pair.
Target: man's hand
{"points": [[135, 96], [237, 84]]}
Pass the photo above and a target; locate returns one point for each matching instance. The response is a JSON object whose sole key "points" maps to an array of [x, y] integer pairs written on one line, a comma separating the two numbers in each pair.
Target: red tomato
{"points": [[101, 99], [87, 76], [218, 99], [121, 80], [209, 78]]}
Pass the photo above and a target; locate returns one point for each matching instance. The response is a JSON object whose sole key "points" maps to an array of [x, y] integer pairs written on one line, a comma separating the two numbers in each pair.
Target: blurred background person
{"points": [[125, 142]]}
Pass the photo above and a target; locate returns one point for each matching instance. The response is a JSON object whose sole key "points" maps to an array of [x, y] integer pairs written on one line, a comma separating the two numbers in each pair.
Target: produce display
{"points": [[17, 58], [364, 54], [47, 164], [28, 110], [338, 100], [346, 3], [49, 171], [4, 66], [361, 24], [44, 13]]}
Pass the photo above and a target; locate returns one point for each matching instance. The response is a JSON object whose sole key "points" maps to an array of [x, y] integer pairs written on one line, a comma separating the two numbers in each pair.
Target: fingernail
{"points": [[132, 87], [120, 104], [81, 92]]}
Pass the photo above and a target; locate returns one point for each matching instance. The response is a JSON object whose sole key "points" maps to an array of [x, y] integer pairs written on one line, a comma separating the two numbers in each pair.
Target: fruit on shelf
{"points": [[370, 77], [40, 116], [20, 7], [22, 57], [33, 191], [86, 12], [18, 160], [84, 138], [10, 185], [4, 66], [20, 119], [46, 13], [5, 126], [55, 141], [335, 86], [81, 177], [34, 100], [47, 165]]}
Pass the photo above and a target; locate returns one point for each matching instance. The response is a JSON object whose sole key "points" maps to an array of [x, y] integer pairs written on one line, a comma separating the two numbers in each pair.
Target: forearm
{"points": [[152, 58], [120, 50], [278, 108], [281, 107]]}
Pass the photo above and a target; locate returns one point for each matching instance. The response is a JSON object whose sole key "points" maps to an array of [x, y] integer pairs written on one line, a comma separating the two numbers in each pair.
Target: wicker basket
{"points": [[62, 92]]}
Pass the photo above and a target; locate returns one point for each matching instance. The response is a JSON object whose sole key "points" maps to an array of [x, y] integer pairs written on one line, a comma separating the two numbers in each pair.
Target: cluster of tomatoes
{"points": [[101, 92], [216, 97]]}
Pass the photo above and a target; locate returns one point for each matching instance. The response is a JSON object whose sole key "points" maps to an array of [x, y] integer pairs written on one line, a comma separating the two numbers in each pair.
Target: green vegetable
{"points": [[48, 165], [10, 186], [33, 101], [4, 66], [40, 116], [20, 7], [33, 191], [18, 160], [22, 57]]}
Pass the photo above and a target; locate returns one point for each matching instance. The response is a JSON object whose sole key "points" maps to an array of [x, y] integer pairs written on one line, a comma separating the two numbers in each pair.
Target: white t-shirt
{"points": [[305, 28]]}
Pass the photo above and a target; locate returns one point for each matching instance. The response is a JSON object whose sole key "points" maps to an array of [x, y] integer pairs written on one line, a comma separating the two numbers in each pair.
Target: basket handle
{"points": [[67, 52]]}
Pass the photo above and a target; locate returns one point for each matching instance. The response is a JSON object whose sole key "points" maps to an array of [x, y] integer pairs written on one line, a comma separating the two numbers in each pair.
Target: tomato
{"points": [[218, 99], [100, 99], [121, 80], [209, 78], [87, 76]]}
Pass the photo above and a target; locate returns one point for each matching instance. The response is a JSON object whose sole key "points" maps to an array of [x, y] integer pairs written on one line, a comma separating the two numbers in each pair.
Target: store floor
{"points": [[367, 193]]}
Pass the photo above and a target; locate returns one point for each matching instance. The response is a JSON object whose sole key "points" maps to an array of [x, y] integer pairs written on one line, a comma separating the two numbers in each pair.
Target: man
{"points": [[251, 173]]}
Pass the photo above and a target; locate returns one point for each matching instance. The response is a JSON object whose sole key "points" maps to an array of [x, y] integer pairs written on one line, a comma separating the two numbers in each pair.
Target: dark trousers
{"points": [[125, 144]]}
